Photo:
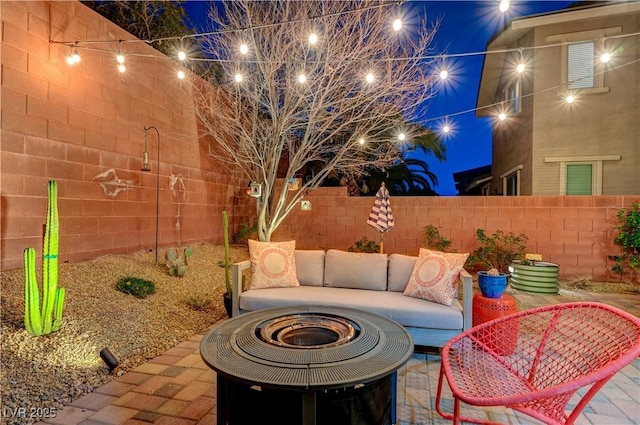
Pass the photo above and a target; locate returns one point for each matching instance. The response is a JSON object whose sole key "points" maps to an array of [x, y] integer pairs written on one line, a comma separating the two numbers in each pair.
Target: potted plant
{"points": [[228, 295], [492, 282]]}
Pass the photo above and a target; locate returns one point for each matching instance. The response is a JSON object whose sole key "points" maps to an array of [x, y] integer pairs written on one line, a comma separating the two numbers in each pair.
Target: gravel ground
{"points": [[51, 371]]}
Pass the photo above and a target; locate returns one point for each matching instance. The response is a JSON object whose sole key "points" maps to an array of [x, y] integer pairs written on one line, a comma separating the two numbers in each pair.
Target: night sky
{"points": [[465, 27]]}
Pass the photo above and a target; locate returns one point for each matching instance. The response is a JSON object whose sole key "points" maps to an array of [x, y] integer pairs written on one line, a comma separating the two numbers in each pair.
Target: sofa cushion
{"points": [[435, 276], [272, 264], [355, 270], [400, 269], [406, 311], [310, 266]]}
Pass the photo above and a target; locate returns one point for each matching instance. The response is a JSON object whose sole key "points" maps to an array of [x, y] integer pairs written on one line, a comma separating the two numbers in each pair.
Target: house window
{"points": [[579, 59], [511, 182], [579, 179], [511, 97], [581, 65], [581, 175]]}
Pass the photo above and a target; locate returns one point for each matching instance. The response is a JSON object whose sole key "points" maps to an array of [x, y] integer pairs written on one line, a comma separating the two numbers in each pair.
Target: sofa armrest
{"points": [[467, 299], [237, 274]]}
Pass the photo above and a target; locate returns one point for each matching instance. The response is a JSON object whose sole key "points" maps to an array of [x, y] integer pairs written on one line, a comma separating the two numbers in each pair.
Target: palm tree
{"points": [[409, 177]]}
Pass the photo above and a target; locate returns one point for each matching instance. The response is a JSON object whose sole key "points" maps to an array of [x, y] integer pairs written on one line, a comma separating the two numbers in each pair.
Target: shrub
{"points": [[364, 245], [200, 303], [245, 233], [628, 238], [497, 251], [135, 286], [434, 240]]}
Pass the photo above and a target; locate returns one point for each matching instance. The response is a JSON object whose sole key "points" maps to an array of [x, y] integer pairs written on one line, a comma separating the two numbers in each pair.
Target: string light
{"points": [[74, 57], [521, 66], [502, 116], [302, 78], [121, 68], [313, 38], [402, 137], [370, 78], [181, 75], [244, 49], [361, 141], [504, 5], [182, 55], [446, 129], [444, 73]]}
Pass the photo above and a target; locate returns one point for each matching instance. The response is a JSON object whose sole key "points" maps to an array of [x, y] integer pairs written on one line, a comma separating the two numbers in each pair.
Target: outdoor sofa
{"points": [[365, 281]]}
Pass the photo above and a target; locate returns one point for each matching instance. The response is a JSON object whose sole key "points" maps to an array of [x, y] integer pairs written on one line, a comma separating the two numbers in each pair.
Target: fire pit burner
{"points": [[308, 330], [326, 364]]}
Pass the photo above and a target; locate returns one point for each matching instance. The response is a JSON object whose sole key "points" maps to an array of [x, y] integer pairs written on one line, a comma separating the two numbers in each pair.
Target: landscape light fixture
{"points": [[145, 167], [109, 359]]}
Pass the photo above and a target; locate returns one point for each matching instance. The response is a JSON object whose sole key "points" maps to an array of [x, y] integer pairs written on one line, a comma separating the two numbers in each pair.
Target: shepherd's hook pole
{"points": [[157, 186]]}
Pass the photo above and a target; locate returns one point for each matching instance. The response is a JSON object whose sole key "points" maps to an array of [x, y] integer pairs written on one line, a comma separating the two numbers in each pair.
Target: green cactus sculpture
{"points": [[42, 320], [177, 266], [227, 256]]}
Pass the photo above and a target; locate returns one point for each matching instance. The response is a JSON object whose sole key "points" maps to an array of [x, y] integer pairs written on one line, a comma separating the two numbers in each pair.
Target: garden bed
{"points": [[53, 370]]}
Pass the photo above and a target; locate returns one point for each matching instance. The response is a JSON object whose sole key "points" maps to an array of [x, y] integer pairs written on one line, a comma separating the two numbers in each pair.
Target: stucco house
{"points": [[571, 117]]}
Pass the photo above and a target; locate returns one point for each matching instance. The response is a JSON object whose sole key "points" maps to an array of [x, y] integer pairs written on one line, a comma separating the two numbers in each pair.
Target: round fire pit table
{"points": [[306, 365]]}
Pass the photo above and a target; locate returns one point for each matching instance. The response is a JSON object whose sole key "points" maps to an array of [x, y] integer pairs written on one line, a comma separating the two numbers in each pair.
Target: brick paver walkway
{"points": [[178, 388]]}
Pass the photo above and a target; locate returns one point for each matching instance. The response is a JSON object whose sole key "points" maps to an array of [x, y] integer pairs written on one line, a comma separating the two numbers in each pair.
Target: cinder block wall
{"points": [[576, 232], [83, 126]]}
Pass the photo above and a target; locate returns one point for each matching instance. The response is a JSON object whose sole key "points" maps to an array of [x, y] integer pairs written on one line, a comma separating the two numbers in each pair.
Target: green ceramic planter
{"points": [[540, 277]]}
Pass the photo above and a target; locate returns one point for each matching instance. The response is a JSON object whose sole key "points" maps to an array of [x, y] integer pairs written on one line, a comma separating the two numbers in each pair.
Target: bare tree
{"points": [[363, 82]]}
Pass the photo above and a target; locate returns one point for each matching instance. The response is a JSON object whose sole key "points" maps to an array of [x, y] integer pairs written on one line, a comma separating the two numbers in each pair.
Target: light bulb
{"points": [[122, 68], [120, 58], [446, 128], [504, 5], [76, 56], [70, 60], [502, 116], [606, 57], [181, 74], [238, 78], [182, 55], [370, 78], [401, 137], [570, 98], [313, 38], [520, 68], [444, 74], [302, 78], [244, 49], [361, 141], [397, 24]]}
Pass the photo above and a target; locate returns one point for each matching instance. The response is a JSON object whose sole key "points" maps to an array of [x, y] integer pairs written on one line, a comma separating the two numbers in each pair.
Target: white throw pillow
{"points": [[272, 264], [435, 276]]}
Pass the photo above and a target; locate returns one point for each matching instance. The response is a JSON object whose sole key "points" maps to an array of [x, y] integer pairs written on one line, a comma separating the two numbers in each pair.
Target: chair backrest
{"points": [[553, 345]]}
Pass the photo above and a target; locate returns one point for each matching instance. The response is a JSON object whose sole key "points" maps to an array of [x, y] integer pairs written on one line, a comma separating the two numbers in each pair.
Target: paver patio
{"points": [[178, 388]]}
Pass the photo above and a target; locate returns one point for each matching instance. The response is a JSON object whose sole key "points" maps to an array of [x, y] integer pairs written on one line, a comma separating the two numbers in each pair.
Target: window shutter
{"points": [[581, 65], [579, 179]]}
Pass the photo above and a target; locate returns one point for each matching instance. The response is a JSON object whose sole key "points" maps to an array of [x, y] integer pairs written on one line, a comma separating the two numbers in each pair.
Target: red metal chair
{"points": [[534, 361]]}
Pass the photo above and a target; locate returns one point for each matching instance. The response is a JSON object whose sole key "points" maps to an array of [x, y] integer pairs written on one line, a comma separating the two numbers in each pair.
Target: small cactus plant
{"points": [[177, 265], [46, 318]]}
